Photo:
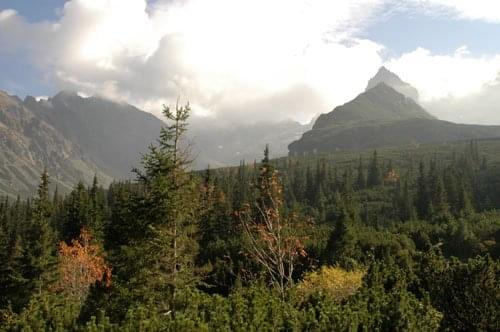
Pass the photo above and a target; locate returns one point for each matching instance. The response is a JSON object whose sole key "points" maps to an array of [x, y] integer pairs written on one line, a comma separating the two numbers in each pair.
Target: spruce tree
{"points": [[361, 179], [374, 173], [169, 211], [423, 199], [40, 246]]}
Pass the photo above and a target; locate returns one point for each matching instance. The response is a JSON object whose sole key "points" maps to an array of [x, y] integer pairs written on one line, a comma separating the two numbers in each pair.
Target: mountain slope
{"points": [[116, 134], [28, 144], [382, 116], [379, 104], [113, 134], [405, 132]]}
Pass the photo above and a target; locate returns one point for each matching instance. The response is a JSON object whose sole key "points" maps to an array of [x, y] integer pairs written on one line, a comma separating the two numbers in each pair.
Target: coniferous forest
{"points": [[399, 239]]}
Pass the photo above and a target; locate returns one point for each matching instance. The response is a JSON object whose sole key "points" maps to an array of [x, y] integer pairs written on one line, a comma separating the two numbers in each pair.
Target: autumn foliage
{"points": [[81, 264], [334, 282], [275, 241]]}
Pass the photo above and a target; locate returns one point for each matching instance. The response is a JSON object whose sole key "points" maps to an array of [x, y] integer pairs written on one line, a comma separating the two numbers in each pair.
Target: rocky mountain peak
{"points": [[386, 76]]}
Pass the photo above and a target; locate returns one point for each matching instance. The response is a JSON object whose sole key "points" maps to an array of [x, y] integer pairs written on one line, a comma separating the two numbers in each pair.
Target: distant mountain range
{"points": [[386, 114], [75, 138]]}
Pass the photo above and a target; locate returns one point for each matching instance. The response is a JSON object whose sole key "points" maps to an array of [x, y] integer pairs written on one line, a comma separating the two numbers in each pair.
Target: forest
{"points": [[397, 239]]}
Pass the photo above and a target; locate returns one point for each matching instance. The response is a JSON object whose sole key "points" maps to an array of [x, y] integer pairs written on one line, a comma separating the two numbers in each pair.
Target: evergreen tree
{"points": [[77, 212], [169, 210], [465, 206], [97, 211], [361, 179], [341, 243], [374, 173], [423, 201], [40, 246]]}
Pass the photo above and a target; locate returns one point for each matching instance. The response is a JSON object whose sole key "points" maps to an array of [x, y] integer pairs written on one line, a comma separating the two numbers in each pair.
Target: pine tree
{"points": [[441, 209], [361, 179], [374, 173], [240, 191], [169, 211], [77, 213], [40, 248], [264, 189], [310, 186], [423, 199], [465, 206], [407, 210], [97, 211], [341, 244]]}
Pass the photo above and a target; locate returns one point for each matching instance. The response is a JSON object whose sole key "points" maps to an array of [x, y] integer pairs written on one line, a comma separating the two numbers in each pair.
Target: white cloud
{"points": [[486, 10], [438, 76], [220, 54], [237, 60]]}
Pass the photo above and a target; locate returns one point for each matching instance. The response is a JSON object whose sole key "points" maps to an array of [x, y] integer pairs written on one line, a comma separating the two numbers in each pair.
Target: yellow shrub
{"points": [[334, 282]]}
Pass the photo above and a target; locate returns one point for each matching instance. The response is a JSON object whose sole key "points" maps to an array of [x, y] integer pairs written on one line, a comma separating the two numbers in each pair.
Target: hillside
{"points": [[113, 134], [412, 131], [379, 104], [28, 144], [382, 116]]}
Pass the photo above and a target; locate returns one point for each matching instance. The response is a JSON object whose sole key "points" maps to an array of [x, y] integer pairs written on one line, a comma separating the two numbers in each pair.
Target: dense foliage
{"points": [[397, 239]]}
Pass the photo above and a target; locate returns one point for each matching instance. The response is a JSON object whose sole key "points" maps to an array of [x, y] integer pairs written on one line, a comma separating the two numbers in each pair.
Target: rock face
{"points": [[114, 134], [385, 76], [383, 116], [28, 144]]}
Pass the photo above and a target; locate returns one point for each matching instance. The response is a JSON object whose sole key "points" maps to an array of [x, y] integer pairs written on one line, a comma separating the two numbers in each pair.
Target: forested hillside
{"points": [[395, 239]]}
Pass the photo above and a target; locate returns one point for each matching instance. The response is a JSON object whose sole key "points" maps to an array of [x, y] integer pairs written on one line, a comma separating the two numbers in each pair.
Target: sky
{"points": [[259, 60]]}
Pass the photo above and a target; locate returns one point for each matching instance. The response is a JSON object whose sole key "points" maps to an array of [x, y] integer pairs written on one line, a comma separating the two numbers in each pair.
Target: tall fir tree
{"points": [[361, 178], [40, 243], [374, 173], [423, 195], [169, 210]]}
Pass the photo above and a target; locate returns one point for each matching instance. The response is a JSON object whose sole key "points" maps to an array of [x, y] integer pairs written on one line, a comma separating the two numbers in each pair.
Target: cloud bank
{"points": [[240, 61]]}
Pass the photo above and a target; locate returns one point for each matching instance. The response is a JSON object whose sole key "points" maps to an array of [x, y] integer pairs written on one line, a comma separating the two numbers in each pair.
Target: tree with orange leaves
{"points": [[276, 242], [81, 265]]}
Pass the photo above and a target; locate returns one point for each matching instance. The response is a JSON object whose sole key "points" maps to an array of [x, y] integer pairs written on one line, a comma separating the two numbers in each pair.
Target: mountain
{"points": [[385, 76], [75, 137], [28, 144], [382, 116], [405, 132], [382, 103], [114, 134]]}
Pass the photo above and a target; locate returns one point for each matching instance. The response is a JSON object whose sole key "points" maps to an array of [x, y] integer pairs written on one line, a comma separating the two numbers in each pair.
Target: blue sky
{"points": [[34, 10], [19, 76], [404, 32], [225, 55]]}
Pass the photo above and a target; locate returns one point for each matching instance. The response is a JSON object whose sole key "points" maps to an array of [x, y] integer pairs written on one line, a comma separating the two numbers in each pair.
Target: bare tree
{"points": [[275, 240]]}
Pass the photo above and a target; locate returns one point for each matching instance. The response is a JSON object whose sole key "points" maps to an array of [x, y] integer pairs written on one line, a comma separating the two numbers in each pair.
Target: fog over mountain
{"points": [[481, 107]]}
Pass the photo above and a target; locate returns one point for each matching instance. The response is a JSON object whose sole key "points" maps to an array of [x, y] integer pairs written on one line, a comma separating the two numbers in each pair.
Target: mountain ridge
{"points": [[382, 116], [29, 144]]}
